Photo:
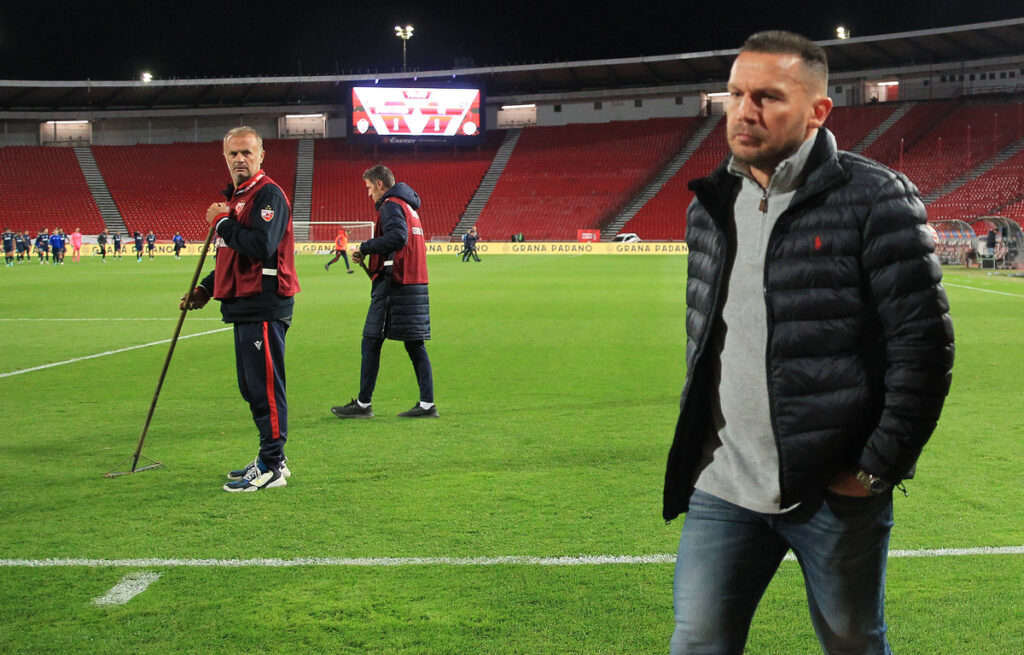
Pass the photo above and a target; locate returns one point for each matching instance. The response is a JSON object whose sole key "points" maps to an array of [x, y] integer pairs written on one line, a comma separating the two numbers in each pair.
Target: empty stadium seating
{"points": [[444, 178], [966, 138], [851, 125], [983, 195], [664, 215], [44, 187], [559, 179], [562, 179], [167, 188]]}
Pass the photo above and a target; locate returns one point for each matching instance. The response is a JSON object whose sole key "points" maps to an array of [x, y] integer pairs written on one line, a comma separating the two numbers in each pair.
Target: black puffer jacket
{"points": [[860, 343], [397, 311]]}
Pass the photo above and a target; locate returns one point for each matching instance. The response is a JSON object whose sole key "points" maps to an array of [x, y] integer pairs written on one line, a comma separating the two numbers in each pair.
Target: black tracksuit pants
{"points": [[259, 358]]}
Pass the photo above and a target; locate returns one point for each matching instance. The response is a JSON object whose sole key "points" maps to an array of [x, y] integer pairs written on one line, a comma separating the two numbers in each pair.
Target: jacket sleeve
{"points": [[394, 231], [905, 289], [261, 237], [207, 283]]}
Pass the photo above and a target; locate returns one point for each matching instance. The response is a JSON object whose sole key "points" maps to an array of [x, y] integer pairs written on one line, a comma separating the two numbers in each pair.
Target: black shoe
{"points": [[353, 410], [419, 412], [350, 271], [327, 267]]}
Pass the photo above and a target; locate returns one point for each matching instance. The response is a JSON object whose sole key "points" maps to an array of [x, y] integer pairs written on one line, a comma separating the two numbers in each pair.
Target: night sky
{"points": [[105, 40]]}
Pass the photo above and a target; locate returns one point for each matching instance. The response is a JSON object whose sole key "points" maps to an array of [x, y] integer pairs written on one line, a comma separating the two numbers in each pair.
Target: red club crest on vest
{"points": [[267, 213]]}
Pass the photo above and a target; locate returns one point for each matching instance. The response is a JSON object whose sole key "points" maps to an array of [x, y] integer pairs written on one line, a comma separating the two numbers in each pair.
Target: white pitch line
{"points": [[129, 587], [165, 318], [964, 286], [109, 352], [521, 560]]}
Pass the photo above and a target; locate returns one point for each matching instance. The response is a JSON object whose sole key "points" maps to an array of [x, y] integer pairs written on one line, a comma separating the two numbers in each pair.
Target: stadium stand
{"points": [[664, 216], [445, 179], [964, 139], [851, 125], [44, 187], [983, 195], [559, 179], [908, 130], [562, 179], [167, 188]]}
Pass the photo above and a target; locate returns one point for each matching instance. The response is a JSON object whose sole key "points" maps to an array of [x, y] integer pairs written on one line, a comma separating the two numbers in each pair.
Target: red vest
{"points": [[410, 263], [238, 275]]}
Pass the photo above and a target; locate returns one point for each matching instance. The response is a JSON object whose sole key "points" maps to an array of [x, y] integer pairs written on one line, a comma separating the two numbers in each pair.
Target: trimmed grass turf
{"points": [[557, 379]]}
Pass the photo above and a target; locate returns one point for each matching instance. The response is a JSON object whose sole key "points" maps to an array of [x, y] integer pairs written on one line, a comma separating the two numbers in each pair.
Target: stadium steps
{"points": [[975, 172], [303, 199], [659, 180], [112, 218], [996, 211], [883, 127], [490, 180]]}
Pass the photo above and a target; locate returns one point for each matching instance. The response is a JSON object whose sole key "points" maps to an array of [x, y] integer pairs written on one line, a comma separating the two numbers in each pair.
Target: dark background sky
{"points": [[105, 40]]}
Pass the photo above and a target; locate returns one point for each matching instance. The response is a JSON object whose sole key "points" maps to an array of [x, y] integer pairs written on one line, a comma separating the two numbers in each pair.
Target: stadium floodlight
{"points": [[146, 77], [405, 35], [719, 94], [842, 32], [888, 84], [528, 106]]}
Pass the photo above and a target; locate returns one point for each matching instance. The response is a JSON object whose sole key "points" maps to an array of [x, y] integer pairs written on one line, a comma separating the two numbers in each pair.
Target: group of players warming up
{"points": [[255, 281]]}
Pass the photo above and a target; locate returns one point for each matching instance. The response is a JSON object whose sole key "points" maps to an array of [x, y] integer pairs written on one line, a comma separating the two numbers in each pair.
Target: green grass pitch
{"points": [[557, 380]]}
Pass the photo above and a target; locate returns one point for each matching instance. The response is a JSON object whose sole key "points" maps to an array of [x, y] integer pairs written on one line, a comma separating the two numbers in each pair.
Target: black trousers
{"points": [[342, 254], [259, 358], [370, 366]]}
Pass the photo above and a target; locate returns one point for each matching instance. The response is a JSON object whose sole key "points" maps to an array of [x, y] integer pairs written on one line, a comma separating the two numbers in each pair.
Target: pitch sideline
{"points": [[519, 560], [1001, 293], [108, 352]]}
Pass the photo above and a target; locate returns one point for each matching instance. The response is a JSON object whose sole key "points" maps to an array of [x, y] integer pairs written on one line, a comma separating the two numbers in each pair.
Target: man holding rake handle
{"points": [[255, 281]]}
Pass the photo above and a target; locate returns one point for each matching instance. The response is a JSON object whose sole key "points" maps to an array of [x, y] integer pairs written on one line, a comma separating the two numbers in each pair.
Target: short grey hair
{"points": [[243, 130]]}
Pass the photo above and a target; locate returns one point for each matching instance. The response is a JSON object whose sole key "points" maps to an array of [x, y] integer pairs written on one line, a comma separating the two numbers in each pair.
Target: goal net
{"points": [[326, 231]]}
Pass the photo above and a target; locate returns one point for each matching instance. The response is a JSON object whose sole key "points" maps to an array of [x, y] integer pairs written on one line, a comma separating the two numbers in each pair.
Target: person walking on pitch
{"points": [[340, 250], [399, 302], [819, 352]]}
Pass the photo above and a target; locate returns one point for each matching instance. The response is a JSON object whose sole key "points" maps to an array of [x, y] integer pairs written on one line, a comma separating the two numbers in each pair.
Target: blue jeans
{"points": [[728, 555]]}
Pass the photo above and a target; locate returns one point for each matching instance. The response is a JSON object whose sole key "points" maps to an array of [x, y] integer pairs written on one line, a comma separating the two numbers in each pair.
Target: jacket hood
{"points": [[402, 191]]}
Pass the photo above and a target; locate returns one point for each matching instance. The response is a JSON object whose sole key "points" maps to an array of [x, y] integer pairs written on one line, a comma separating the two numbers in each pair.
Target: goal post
{"points": [[326, 231]]}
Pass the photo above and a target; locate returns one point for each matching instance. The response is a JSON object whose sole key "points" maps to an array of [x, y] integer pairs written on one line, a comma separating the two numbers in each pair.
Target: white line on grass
{"points": [[130, 586], [108, 352], [964, 286], [581, 560], [165, 318]]}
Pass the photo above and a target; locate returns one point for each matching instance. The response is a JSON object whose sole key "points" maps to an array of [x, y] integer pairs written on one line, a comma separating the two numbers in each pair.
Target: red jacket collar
{"points": [[250, 183]]}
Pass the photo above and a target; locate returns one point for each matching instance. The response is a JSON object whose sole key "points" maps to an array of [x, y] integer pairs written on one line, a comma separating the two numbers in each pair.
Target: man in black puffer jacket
{"points": [[819, 354], [399, 302]]}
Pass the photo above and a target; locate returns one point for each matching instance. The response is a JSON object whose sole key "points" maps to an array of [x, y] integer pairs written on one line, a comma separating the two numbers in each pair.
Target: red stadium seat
{"points": [[44, 187]]}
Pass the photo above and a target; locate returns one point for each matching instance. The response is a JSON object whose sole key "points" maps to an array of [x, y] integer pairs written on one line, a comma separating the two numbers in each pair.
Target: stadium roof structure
{"points": [[889, 51]]}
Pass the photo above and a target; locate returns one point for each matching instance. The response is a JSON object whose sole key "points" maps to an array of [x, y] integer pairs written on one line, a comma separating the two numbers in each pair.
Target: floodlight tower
{"points": [[405, 35], [842, 33]]}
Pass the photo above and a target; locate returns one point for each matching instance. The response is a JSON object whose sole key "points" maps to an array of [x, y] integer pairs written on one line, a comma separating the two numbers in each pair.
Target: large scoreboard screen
{"points": [[415, 115]]}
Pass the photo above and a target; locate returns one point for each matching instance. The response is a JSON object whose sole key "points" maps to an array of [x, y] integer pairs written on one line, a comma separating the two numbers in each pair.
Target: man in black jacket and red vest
{"points": [[255, 281], [399, 303], [819, 353]]}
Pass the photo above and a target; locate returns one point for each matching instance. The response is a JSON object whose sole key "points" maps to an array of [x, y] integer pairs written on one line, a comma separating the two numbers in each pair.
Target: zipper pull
{"points": [[763, 207]]}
